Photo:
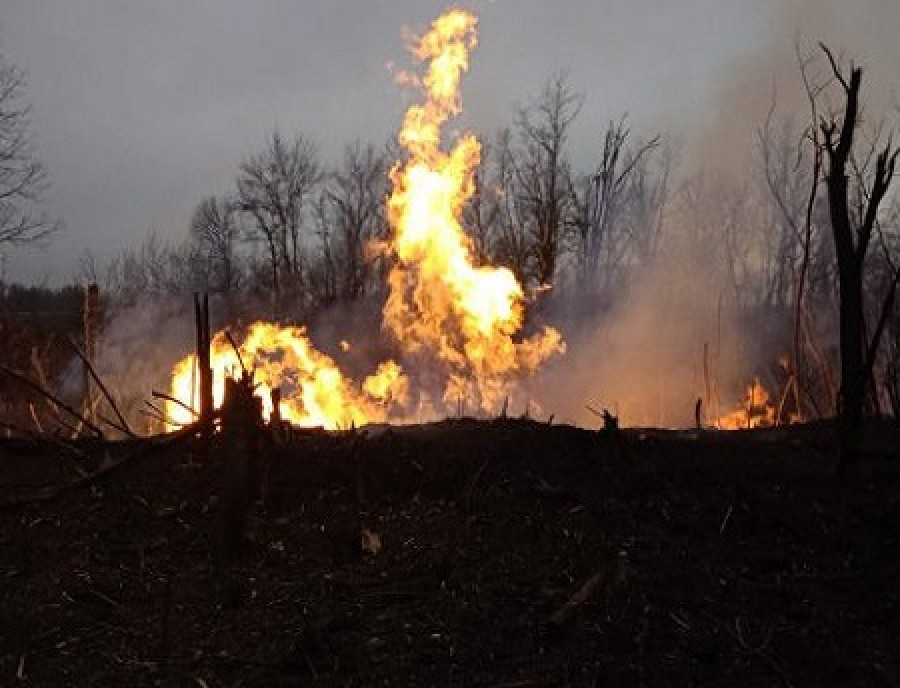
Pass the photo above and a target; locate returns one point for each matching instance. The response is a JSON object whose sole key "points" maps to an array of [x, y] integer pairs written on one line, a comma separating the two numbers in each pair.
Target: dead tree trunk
{"points": [[241, 432], [204, 372], [852, 232]]}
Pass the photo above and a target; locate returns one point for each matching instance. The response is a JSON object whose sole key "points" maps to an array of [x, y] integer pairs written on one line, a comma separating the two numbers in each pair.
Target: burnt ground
{"points": [[497, 553]]}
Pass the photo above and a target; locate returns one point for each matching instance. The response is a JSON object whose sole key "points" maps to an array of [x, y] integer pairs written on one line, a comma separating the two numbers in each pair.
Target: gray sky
{"points": [[142, 107]]}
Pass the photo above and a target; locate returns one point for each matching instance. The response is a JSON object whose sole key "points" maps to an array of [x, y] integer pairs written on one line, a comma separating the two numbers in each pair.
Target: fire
{"points": [[758, 411], [462, 318], [314, 391], [458, 323]]}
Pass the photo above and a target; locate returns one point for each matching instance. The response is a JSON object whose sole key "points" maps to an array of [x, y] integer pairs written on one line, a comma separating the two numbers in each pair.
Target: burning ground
{"points": [[506, 552]]}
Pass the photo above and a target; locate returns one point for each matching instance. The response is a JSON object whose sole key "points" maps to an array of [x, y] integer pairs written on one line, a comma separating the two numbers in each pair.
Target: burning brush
{"points": [[460, 322], [759, 409]]}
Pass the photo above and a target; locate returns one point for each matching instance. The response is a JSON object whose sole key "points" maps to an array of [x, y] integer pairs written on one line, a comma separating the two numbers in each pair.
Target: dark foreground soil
{"points": [[504, 553]]}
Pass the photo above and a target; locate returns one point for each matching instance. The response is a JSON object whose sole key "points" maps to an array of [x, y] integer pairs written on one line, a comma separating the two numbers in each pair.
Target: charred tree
{"points": [[205, 375], [854, 221], [242, 434]]}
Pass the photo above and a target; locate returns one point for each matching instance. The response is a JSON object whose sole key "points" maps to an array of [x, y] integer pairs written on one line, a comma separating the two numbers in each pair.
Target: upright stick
{"points": [[201, 311], [90, 320]]}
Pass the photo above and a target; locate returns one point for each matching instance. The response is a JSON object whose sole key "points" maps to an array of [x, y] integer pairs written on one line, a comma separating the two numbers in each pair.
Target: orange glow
{"points": [[314, 391], [457, 323], [757, 410], [463, 318]]}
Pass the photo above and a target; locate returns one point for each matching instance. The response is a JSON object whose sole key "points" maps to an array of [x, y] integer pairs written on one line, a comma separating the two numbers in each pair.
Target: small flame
{"points": [[757, 411]]}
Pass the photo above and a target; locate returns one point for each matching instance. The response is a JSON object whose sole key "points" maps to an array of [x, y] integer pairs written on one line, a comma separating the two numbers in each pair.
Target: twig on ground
{"points": [[179, 402], [24, 379], [37, 421], [123, 424], [725, 519], [581, 597]]}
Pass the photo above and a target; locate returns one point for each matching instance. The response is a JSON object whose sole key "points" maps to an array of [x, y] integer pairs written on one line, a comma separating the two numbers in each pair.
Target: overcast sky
{"points": [[141, 107]]}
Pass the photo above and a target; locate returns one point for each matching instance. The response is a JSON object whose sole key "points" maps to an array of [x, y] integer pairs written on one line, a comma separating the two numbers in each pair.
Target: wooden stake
{"points": [[707, 387], [201, 312], [91, 317]]}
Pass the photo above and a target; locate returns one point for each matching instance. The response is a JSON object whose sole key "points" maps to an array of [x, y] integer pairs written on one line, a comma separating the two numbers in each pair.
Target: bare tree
{"points": [[620, 184], [646, 199], [214, 231], [92, 271], [798, 258], [273, 187], [719, 237], [512, 247], [350, 214], [542, 173], [857, 185], [23, 178], [791, 174], [153, 268]]}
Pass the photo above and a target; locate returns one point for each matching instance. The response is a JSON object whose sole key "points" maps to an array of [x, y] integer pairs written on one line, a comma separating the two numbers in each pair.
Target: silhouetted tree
{"points": [[855, 195], [620, 184], [512, 246], [542, 173], [214, 230], [23, 178], [273, 187]]}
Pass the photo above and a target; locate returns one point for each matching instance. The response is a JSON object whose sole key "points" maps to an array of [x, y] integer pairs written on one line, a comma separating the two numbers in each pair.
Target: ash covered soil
{"points": [[489, 553]]}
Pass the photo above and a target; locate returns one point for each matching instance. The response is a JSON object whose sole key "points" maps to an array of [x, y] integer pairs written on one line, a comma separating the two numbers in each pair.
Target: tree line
{"points": [[807, 237]]}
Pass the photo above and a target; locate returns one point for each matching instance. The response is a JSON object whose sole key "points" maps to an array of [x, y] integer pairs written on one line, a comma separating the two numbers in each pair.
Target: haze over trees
{"points": [[800, 248]]}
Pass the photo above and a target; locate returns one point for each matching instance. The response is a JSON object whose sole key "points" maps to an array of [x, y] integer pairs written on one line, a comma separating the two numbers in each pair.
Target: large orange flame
{"points": [[458, 321], [461, 316]]}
